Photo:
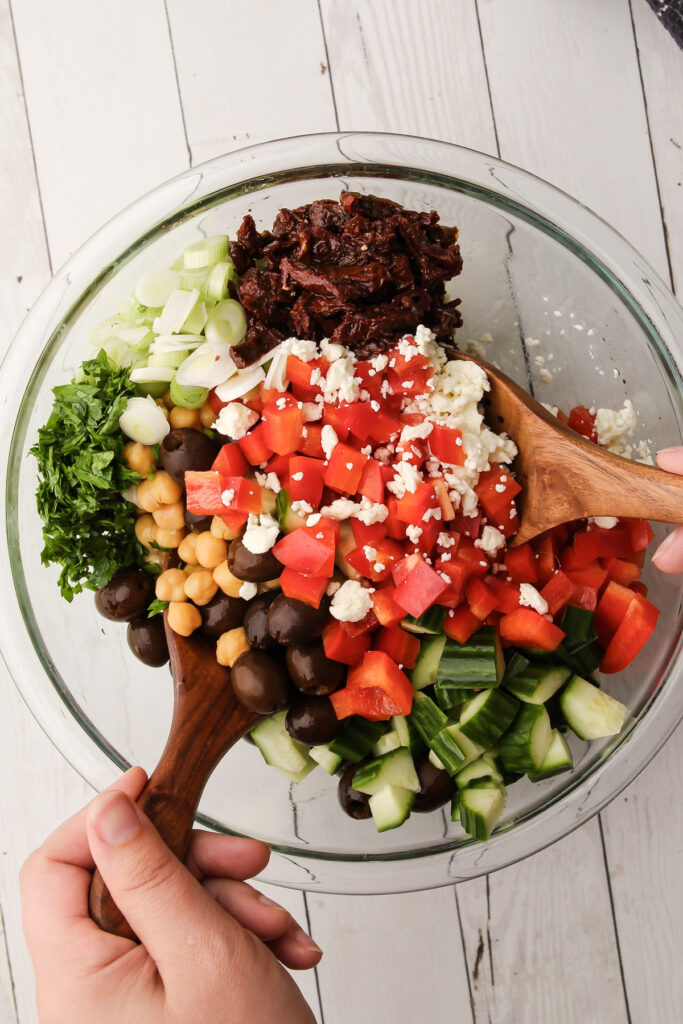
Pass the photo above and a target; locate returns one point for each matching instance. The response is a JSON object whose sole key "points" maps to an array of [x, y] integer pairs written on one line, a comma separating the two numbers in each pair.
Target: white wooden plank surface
{"points": [[8, 1007]]}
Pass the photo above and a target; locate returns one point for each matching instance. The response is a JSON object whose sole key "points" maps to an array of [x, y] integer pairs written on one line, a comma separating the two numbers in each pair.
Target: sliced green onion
{"points": [[240, 383], [176, 342], [195, 278], [152, 374], [176, 311], [137, 338], [155, 287], [216, 284], [152, 389], [188, 397], [173, 359], [117, 351], [142, 420], [226, 322], [208, 366], [196, 320], [205, 252]]}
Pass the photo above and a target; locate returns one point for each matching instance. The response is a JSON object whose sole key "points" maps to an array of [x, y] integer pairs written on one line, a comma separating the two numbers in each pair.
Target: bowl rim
{"points": [[612, 256]]}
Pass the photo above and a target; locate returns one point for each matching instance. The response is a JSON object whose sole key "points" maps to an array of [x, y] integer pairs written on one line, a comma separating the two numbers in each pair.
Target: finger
{"points": [[266, 919], [670, 459], [296, 949], [669, 555], [165, 906], [55, 881], [218, 856]]}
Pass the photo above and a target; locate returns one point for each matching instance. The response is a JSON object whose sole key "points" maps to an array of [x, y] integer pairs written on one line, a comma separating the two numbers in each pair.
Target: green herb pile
{"points": [[89, 527]]}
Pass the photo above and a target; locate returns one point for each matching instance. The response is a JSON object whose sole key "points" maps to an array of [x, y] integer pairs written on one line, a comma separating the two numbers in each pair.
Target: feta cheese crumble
{"points": [[530, 598], [614, 426], [351, 602], [234, 420], [261, 533], [491, 540], [247, 591], [328, 440]]}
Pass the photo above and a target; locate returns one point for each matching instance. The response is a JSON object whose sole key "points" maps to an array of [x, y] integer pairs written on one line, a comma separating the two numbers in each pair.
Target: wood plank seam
{"points": [[309, 929], [5, 952], [488, 80], [614, 919], [464, 953], [177, 82], [329, 66]]}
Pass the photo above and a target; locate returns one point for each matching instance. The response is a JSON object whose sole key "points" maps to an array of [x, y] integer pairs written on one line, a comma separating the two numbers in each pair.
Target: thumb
{"points": [[167, 908]]}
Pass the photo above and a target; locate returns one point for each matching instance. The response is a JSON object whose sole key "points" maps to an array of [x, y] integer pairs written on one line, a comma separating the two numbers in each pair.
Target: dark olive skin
{"points": [[126, 596], [312, 720], [187, 448], [436, 786], [198, 524], [293, 622], [260, 683], [311, 670], [353, 803], [222, 613], [255, 568], [256, 622], [147, 640]]}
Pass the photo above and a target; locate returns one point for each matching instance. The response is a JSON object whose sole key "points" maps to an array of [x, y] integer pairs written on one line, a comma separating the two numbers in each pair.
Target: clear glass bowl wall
{"points": [[536, 264]]}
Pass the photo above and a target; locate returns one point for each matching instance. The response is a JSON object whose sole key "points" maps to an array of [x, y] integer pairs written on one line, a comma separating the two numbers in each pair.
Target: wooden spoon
{"points": [[207, 720], [564, 476]]}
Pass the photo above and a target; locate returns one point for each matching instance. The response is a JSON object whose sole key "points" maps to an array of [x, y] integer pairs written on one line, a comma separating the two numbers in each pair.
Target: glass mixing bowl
{"points": [[536, 264]]}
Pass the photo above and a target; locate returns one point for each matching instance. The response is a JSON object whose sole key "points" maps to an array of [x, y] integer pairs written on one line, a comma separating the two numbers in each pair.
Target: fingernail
{"points": [[667, 451], [666, 543], [268, 903], [115, 820], [306, 942]]}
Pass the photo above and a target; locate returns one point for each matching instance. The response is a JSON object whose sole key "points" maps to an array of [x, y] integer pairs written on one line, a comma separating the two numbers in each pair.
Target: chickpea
{"points": [[186, 550], [207, 417], [160, 403], [189, 569], [156, 558], [183, 617], [169, 538], [221, 530], [231, 646], [210, 551], [171, 585], [166, 398], [164, 489], [139, 457], [269, 585], [146, 530], [179, 418], [228, 583], [201, 587], [170, 517], [146, 496]]}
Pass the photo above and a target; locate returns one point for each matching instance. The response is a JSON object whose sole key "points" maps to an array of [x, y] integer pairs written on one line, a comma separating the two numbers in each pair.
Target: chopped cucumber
{"points": [[279, 749], [537, 683], [450, 696], [357, 739], [589, 712], [427, 664], [436, 761], [390, 807], [558, 759], [393, 769], [469, 749], [389, 741], [476, 665], [487, 716], [426, 717], [480, 811], [578, 623], [408, 735], [325, 758], [516, 663], [430, 621], [482, 768], [524, 746], [455, 806], [286, 517]]}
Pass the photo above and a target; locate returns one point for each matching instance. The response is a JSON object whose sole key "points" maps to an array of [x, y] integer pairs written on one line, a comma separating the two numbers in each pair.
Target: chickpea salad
{"points": [[330, 510]]}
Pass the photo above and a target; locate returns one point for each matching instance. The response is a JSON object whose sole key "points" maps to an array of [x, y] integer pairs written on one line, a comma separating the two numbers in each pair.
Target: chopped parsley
{"points": [[156, 607], [89, 528]]}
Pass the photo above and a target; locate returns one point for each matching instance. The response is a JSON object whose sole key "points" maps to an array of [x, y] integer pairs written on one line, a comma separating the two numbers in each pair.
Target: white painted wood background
{"points": [[101, 101]]}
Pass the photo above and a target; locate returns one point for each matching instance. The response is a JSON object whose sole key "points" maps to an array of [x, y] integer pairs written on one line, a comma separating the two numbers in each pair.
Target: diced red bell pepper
{"points": [[460, 624], [308, 589], [372, 482], [373, 704], [417, 585], [591, 575], [507, 593], [215, 402], [635, 630], [409, 377], [279, 464], [308, 550], [357, 418], [481, 599], [467, 526], [599, 543], [426, 542], [413, 452], [452, 543], [306, 479], [477, 563], [445, 503], [205, 493], [282, 424], [339, 646], [384, 605], [401, 646], [267, 394], [415, 505], [378, 669], [310, 443], [583, 422], [558, 591], [611, 611], [230, 461], [345, 469], [371, 380], [445, 444], [332, 418], [458, 572], [641, 533], [585, 597], [299, 373], [387, 552], [384, 426], [526, 628], [507, 519], [396, 528], [547, 558], [495, 489], [234, 520], [244, 495], [364, 533], [621, 571], [522, 564], [367, 625], [639, 588], [254, 447]]}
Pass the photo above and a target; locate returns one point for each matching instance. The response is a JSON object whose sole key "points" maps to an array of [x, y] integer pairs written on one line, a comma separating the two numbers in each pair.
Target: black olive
{"points": [[260, 683], [436, 786], [312, 720], [187, 448], [147, 640], [256, 621], [222, 613], [245, 565], [126, 596], [198, 524], [353, 803], [293, 622], [311, 670]]}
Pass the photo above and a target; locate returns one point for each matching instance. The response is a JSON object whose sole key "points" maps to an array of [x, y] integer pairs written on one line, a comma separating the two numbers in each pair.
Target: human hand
{"points": [[210, 943], [669, 555]]}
